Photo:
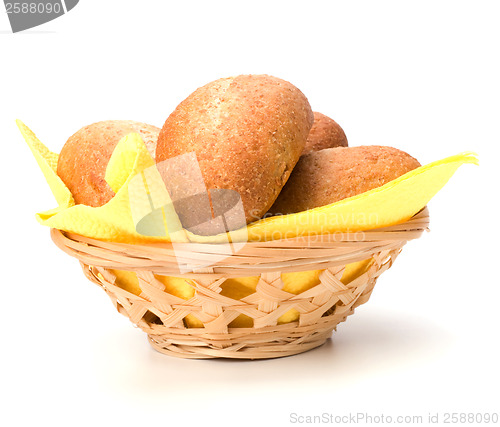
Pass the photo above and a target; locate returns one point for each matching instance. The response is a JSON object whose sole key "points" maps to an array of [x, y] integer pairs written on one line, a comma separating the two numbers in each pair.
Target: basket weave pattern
{"points": [[322, 307]]}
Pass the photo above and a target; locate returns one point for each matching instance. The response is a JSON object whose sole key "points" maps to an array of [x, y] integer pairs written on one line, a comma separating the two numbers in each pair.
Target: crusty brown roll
{"points": [[83, 159], [247, 132], [333, 174], [325, 133]]}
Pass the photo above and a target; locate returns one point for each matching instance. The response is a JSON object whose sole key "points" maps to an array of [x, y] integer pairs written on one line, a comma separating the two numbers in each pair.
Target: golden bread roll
{"points": [[247, 132], [325, 133], [333, 174], [83, 159]]}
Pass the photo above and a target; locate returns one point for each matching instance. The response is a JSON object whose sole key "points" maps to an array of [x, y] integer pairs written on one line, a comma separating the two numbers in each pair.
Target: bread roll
{"points": [[325, 133], [248, 133], [333, 174], [83, 159]]}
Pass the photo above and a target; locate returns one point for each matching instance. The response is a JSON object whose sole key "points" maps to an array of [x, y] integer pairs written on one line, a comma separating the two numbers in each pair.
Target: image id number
{"points": [[24, 8]]}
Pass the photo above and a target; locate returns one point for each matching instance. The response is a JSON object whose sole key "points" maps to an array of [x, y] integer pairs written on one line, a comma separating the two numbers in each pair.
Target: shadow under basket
{"points": [[319, 308]]}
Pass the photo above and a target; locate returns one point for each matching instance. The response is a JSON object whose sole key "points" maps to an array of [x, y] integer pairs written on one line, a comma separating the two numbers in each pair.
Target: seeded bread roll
{"points": [[325, 133], [83, 159], [333, 174], [248, 133]]}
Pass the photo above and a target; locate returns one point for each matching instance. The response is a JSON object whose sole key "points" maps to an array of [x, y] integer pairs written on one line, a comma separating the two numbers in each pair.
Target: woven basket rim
{"points": [[287, 255]]}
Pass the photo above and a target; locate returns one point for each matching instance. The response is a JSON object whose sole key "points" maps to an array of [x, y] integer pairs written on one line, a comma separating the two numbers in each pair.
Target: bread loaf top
{"points": [[83, 159], [248, 132], [333, 174], [325, 133]]}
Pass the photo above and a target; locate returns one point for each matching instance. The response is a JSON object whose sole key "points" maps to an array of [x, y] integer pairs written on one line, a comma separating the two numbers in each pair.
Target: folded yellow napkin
{"points": [[132, 175]]}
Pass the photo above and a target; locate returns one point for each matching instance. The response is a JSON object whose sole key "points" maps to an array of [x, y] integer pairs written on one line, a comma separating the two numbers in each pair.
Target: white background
{"points": [[420, 76]]}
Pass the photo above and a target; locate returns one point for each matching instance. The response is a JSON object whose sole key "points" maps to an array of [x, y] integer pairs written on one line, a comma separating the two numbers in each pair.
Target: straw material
{"points": [[322, 307]]}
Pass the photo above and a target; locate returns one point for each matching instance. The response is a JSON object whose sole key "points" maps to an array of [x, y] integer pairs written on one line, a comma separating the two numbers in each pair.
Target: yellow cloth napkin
{"points": [[113, 221], [131, 174]]}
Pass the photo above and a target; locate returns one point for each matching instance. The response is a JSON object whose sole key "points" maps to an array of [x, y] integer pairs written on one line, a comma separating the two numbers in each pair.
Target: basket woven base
{"points": [[323, 311], [319, 309], [266, 343]]}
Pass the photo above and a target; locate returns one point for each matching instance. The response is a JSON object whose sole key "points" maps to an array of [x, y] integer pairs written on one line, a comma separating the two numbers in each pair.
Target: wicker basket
{"points": [[322, 307]]}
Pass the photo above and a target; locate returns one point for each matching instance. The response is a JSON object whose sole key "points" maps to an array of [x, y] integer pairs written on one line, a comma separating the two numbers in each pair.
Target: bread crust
{"points": [[333, 174], [325, 133], [83, 159], [248, 133]]}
